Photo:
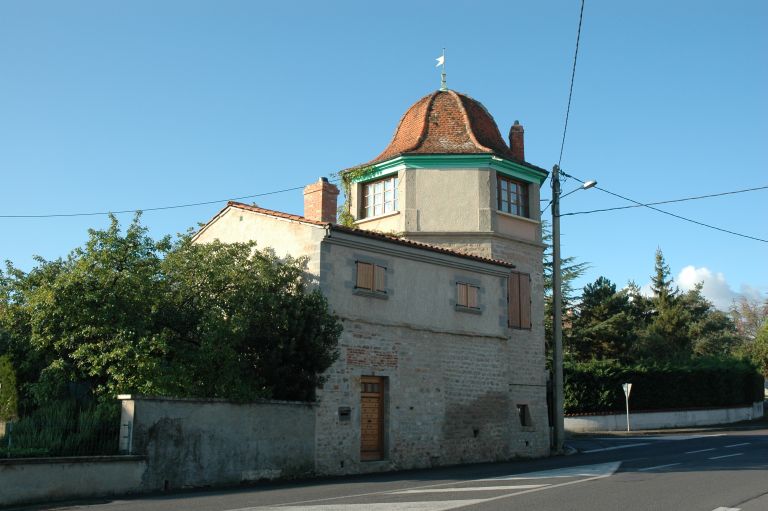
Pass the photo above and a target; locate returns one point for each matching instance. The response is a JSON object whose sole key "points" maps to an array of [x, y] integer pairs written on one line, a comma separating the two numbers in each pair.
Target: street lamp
{"points": [[557, 312]]}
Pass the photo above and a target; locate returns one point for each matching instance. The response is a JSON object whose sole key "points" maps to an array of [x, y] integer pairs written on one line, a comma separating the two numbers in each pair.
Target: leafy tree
{"points": [[749, 316], [8, 395], [126, 313], [757, 349]]}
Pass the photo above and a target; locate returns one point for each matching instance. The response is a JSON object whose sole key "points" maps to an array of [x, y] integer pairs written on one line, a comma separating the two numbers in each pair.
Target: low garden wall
{"points": [[662, 419], [31, 480], [209, 442]]}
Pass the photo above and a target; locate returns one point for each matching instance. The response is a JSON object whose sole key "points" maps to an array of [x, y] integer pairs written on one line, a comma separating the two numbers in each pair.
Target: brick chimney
{"points": [[516, 141], [320, 201]]}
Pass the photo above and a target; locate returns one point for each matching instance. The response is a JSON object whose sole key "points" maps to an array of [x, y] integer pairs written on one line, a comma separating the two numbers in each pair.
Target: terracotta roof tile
{"points": [[272, 212], [446, 122], [418, 244], [368, 234]]}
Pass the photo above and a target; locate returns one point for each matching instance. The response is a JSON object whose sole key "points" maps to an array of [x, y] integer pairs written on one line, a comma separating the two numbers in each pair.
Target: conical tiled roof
{"points": [[446, 122]]}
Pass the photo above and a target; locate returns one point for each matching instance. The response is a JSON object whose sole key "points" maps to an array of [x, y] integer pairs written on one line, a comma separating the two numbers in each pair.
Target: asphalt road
{"points": [[706, 471]]}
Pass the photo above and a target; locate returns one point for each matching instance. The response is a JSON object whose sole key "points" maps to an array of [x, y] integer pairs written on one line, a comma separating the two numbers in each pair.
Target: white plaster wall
{"points": [[285, 237], [419, 294], [662, 420], [203, 442]]}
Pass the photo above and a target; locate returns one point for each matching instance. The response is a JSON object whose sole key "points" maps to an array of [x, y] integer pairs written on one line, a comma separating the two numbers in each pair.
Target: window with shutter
{"points": [[371, 277], [467, 296], [519, 299]]}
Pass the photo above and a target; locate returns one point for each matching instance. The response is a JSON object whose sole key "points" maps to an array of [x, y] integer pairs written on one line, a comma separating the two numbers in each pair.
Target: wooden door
{"points": [[372, 418]]}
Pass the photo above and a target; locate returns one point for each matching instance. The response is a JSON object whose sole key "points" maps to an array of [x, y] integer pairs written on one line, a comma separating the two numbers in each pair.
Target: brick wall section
{"points": [[320, 201], [516, 141]]}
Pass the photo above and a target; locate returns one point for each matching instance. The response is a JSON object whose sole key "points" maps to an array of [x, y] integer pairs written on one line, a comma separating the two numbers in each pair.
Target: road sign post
{"points": [[627, 389]]}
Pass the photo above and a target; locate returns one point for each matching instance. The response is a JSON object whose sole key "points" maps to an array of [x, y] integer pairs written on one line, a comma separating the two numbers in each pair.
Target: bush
{"points": [[595, 386], [65, 428]]}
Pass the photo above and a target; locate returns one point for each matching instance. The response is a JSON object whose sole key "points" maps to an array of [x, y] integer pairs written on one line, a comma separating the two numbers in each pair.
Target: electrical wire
{"points": [[159, 208], [697, 197], [573, 76], [640, 204]]}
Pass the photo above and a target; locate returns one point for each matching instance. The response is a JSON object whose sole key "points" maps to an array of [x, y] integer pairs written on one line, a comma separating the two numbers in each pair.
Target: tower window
{"points": [[513, 196], [379, 197]]}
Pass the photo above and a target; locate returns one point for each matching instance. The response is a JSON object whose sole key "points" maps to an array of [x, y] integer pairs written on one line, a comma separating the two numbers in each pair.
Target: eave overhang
{"points": [[520, 170]]}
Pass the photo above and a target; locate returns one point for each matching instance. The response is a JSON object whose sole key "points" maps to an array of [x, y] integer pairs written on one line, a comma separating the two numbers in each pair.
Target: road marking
{"points": [[434, 505], [700, 450], [738, 445], [567, 483], [580, 471], [727, 456], [727, 509], [658, 466], [599, 471], [473, 488], [616, 447], [679, 437]]}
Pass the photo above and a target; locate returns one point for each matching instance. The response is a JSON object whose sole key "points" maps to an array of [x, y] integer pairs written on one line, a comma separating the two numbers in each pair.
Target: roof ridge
{"points": [[275, 213]]}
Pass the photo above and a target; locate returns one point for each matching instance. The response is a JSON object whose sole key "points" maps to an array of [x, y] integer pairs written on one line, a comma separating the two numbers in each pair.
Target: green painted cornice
{"points": [[510, 168]]}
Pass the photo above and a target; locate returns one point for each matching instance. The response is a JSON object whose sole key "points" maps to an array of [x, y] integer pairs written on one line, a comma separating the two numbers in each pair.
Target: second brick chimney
{"points": [[320, 201], [516, 141]]}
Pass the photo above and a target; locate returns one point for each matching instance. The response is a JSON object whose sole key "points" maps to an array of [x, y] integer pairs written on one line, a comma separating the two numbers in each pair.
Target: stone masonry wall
{"points": [[450, 399]]}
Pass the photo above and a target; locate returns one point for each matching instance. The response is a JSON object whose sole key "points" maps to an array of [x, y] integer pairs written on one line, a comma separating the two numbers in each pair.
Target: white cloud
{"points": [[715, 288]]}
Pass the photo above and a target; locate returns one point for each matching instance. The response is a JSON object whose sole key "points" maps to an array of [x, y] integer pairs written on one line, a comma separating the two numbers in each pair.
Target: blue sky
{"points": [[123, 105]]}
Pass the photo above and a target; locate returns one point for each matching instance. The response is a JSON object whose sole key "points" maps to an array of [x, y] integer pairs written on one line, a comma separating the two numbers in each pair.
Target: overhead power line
{"points": [[697, 197], [573, 77], [159, 208], [649, 206]]}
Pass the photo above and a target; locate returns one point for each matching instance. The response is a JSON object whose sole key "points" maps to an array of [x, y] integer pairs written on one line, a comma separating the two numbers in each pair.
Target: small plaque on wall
{"points": [[345, 414]]}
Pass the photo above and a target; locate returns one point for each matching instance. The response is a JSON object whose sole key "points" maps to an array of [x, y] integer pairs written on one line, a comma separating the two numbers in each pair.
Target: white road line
{"points": [[738, 445], [473, 488], [700, 450], [567, 483], [429, 505], [580, 471], [599, 471], [626, 446], [658, 466], [727, 456], [727, 509]]}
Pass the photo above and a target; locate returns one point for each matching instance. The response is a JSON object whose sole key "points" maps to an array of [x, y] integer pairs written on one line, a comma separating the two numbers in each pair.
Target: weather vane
{"points": [[441, 62]]}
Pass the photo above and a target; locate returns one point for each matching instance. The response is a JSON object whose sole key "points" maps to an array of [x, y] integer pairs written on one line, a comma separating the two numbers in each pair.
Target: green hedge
{"points": [[595, 386]]}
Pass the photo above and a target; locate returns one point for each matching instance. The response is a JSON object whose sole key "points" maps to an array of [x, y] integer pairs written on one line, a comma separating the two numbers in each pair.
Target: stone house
{"points": [[442, 355]]}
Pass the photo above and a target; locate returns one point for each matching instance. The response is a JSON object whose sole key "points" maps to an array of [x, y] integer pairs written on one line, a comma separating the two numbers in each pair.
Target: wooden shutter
{"points": [[461, 295], [520, 300], [514, 300], [472, 302], [364, 275], [525, 301], [379, 272]]}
